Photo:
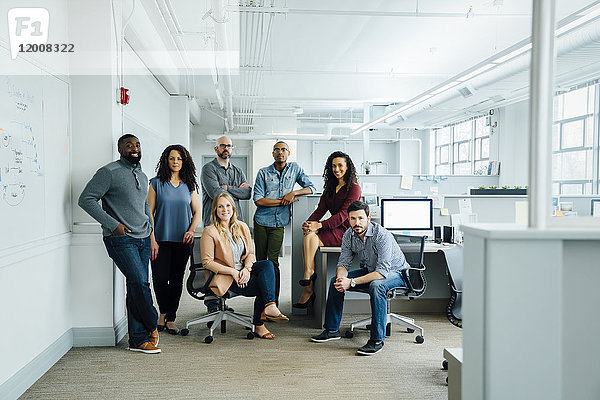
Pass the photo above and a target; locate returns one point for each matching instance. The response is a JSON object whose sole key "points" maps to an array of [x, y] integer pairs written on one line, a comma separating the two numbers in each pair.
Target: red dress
{"points": [[334, 227]]}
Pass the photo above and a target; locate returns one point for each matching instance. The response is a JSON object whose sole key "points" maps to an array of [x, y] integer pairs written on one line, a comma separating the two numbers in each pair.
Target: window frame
{"points": [[454, 146], [586, 117]]}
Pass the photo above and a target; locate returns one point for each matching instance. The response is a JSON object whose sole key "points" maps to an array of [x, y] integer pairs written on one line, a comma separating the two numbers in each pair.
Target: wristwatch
{"points": [[352, 283]]}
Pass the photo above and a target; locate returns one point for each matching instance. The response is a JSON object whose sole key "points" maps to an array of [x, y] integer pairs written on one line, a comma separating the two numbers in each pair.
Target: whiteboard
{"points": [[34, 156]]}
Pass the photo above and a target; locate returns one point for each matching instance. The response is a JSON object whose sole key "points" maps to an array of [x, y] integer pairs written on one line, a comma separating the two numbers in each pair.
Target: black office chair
{"points": [[414, 276], [197, 287]]}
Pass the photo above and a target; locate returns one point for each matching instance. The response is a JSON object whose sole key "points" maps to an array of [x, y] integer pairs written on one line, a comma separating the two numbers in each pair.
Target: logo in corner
{"points": [[27, 26]]}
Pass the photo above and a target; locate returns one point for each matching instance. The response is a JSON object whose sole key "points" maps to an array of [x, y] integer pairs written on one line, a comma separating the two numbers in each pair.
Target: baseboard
{"points": [[121, 329], [17, 384], [100, 336]]}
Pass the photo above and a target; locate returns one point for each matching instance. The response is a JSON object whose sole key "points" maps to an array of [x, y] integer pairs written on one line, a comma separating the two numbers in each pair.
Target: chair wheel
{"points": [[250, 335], [419, 339], [223, 326], [209, 324], [349, 334], [410, 330], [388, 330], [445, 365], [185, 332], [208, 339]]}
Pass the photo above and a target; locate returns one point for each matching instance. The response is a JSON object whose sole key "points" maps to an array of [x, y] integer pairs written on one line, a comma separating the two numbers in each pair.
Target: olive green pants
{"points": [[267, 243]]}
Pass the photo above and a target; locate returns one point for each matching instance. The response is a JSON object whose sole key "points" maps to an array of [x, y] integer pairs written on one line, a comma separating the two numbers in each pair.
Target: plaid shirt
{"points": [[379, 252]]}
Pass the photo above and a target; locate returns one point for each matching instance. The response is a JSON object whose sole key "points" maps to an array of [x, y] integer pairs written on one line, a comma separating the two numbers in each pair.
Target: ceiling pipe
{"points": [[221, 44], [372, 13], [195, 111], [327, 136]]}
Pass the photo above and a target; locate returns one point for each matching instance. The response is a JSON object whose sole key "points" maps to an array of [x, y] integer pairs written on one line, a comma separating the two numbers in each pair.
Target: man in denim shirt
{"points": [[273, 194], [383, 262]]}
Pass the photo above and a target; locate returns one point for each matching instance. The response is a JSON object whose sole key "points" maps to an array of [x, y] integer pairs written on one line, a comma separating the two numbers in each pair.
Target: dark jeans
{"points": [[132, 257], [377, 291], [261, 285], [167, 276], [267, 243]]}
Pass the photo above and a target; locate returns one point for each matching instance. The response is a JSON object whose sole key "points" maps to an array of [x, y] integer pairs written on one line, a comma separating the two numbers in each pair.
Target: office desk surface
{"points": [[429, 248]]}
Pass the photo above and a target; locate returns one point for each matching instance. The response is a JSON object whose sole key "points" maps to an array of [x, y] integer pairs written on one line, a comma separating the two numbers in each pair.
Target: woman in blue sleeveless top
{"points": [[175, 208]]}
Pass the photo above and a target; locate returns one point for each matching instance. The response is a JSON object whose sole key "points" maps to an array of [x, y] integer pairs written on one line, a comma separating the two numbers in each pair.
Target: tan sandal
{"points": [[267, 335], [278, 318], [270, 318]]}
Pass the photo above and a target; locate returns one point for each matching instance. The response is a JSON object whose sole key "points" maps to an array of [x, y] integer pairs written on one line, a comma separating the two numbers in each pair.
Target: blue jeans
{"points": [[261, 285], [378, 293], [132, 257]]}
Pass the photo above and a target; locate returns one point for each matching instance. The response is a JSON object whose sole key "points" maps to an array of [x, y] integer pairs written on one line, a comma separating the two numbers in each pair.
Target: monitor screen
{"points": [[407, 214]]}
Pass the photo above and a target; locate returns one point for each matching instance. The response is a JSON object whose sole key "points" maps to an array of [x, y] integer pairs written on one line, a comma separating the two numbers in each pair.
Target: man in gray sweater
{"points": [[219, 176], [126, 227]]}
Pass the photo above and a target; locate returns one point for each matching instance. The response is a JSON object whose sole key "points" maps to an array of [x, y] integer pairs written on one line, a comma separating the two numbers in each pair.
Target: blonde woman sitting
{"points": [[227, 248]]}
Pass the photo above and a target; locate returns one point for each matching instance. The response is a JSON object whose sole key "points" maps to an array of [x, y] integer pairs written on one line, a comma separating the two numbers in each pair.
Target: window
{"points": [[442, 151], [463, 148], [573, 141]]}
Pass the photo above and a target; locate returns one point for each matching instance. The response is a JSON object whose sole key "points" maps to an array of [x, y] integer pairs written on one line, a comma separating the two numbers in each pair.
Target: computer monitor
{"points": [[407, 214]]}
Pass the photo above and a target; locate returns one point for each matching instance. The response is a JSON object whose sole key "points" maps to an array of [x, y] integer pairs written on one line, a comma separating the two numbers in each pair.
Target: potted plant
{"points": [[494, 190]]}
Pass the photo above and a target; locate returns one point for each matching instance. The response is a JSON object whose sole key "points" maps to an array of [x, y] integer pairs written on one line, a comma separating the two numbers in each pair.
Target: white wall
{"points": [[66, 285], [34, 275], [179, 121], [513, 144]]}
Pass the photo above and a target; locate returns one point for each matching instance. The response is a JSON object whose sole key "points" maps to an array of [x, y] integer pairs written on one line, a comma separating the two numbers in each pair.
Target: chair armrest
{"points": [[406, 276]]}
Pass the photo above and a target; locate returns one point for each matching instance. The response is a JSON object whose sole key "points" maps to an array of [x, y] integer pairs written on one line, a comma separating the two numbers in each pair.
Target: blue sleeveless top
{"points": [[172, 212]]}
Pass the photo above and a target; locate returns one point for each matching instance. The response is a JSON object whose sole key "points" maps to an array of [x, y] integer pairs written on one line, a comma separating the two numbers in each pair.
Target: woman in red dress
{"points": [[340, 189]]}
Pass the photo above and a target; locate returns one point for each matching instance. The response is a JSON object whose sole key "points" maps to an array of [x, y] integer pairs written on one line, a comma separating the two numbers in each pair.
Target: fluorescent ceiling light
{"points": [[478, 71], [513, 54], [595, 11], [445, 87], [294, 134], [424, 98]]}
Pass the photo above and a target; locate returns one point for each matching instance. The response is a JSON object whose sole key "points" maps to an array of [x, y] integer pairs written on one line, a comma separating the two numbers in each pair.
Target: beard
{"points": [[224, 156], [360, 231], [133, 160]]}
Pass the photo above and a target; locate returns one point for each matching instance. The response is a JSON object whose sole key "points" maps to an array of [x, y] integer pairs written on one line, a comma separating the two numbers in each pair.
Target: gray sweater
{"points": [[213, 176], [123, 189]]}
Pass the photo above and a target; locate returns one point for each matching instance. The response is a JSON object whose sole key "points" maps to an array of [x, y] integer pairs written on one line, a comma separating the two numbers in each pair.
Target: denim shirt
{"points": [[271, 184]]}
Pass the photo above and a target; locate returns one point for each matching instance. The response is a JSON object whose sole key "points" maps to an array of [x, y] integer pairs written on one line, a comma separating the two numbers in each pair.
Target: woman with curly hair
{"points": [[175, 209], [341, 188]]}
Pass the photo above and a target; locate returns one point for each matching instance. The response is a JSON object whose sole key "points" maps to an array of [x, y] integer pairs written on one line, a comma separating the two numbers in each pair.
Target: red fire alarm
{"points": [[124, 97]]}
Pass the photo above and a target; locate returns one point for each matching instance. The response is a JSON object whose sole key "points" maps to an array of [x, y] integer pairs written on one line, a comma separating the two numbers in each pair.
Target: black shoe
{"points": [[306, 282], [161, 328], [309, 302], [171, 331], [372, 347], [326, 336]]}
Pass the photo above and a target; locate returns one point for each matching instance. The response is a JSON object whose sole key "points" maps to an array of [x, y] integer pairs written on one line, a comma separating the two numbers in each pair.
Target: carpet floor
{"points": [[289, 367]]}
